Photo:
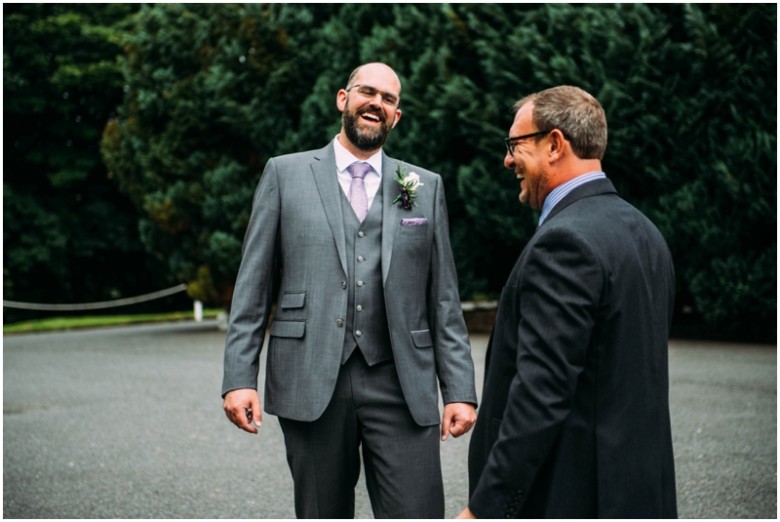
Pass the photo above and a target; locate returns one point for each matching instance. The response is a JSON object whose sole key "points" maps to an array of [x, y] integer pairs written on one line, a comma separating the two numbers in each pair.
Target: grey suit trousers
{"points": [[402, 463]]}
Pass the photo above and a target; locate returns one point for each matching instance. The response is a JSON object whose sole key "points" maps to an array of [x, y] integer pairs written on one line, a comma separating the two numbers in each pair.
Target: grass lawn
{"points": [[94, 321]]}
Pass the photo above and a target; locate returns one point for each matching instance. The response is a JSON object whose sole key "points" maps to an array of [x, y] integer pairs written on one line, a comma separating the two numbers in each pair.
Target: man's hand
{"points": [[242, 407], [457, 419], [466, 513]]}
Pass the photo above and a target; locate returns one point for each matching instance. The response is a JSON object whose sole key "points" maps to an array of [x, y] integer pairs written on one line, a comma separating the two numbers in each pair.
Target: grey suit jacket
{"points": [[294, 248], [574, 421]]}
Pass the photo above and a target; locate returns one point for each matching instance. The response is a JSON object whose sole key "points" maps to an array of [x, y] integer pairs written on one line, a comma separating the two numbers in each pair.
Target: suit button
{"points": [[343, 284], [359, 308], [360, 283], [361, 234], [358, 333], [339, 322], [360, 259]]}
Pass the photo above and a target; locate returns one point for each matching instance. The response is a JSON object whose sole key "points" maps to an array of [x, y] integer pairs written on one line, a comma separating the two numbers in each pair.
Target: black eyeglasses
{"points": [[510, 145], [371, 92]]}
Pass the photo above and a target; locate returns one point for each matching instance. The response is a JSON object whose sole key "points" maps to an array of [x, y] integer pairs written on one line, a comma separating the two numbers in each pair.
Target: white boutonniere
{"points": [[409, 185]]}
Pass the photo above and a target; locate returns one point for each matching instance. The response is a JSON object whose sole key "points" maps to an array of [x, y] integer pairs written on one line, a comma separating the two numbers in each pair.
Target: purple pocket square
{"points": [[410, 222]]}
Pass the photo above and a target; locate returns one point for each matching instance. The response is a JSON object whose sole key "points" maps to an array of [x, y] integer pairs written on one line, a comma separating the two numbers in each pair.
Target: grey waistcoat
{"points": [[366, 316]]}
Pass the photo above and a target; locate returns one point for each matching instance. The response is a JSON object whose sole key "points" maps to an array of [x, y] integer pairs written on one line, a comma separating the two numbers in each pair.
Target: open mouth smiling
{"points": [[368, 116]]}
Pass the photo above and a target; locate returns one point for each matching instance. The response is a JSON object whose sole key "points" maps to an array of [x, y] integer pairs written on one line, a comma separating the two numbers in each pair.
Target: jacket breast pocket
{"points": [[415, 233]]}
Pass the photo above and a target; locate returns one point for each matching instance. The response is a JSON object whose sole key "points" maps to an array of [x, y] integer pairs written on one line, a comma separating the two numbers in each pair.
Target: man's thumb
{"points": [[445, 428], [257, 413]]}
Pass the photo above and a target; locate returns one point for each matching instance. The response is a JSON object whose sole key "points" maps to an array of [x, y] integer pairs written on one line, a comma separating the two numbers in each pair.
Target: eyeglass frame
{"points": [[394, 100], [510, 146]]}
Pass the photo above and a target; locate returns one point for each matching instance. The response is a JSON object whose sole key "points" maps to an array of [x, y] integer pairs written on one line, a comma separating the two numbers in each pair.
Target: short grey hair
{"points": [[575, 113]]}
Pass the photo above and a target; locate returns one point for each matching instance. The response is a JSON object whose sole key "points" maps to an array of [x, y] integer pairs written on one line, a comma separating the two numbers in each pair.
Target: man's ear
{"points": [[396, 118], [341, 100], [557, 144]]}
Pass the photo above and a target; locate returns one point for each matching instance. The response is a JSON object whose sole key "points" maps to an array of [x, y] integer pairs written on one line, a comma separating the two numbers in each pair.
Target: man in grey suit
{"points": [[353, 246], [574, 421]]}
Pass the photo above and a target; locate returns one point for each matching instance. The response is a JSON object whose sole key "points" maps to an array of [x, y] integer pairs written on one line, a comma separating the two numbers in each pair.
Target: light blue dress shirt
{"points": [[560, 192]]}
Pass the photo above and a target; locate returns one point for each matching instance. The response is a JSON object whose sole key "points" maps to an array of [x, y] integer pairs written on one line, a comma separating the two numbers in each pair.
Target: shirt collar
{"points": [[559, 192], [344, 158]]}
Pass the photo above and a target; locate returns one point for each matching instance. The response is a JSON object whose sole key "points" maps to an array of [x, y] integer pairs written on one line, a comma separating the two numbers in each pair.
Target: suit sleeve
{"points": [[454, 365], [253, 293], [558, 298]]}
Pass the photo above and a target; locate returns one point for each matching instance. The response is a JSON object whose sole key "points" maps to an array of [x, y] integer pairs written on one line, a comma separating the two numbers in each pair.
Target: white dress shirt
{"points": [[344, 159]]}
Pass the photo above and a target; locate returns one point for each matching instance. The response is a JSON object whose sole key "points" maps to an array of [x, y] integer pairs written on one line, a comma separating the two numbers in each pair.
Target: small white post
{"points": [[198, 311]]}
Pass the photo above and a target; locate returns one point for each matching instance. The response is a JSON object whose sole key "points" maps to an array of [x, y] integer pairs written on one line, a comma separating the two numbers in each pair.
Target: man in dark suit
{"points": [[368, 320], [574, 420]]}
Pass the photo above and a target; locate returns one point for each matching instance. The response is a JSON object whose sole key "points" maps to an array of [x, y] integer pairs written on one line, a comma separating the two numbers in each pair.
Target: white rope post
{"points": [[198, 310]]}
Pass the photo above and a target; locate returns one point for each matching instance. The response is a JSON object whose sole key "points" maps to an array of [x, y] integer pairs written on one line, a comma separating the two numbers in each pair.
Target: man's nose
{"points": [[376, 100], [509, 160]]}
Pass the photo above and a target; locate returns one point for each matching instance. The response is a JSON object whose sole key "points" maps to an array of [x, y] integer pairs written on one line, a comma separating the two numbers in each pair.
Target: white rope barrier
{"points": [[471, 306], [99, 305], [198, 306]]}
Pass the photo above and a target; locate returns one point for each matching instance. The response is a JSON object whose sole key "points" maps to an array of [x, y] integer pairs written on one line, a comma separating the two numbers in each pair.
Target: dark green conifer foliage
{"points": [[68, 234], [214, 90]]}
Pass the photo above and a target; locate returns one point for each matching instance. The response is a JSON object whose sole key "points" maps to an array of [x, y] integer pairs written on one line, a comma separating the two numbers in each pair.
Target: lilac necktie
{"points": [[357, 189]]}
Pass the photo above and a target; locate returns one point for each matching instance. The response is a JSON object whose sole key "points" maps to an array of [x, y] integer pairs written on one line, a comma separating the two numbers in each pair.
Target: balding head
{"points": [[375, 72]]}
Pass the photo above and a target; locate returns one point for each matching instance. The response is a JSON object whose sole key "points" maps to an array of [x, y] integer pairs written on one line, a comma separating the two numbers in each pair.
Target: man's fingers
{"points": [[242, 408], [241, 418], [457, 419], [458, 428]]}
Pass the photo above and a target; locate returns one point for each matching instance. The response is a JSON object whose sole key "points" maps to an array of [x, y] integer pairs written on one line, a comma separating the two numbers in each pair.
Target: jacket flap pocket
{"points": [[292, 300], [294, 329], [422, 338]]}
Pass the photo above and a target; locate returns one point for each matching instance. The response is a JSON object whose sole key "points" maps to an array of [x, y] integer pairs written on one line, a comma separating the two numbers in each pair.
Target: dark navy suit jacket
{"points": [[575, 419]]}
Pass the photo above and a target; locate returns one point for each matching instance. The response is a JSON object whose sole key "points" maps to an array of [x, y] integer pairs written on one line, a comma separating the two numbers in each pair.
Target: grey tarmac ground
{"points": [[127, 423]]}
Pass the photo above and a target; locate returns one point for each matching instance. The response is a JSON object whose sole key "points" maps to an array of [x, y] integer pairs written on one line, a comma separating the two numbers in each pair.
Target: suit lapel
{"points": [[390, 213], [324, 173]]}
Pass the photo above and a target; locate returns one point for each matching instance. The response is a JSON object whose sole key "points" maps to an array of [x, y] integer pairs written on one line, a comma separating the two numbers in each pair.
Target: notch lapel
{"points": [[391, 217], [324, 173]]}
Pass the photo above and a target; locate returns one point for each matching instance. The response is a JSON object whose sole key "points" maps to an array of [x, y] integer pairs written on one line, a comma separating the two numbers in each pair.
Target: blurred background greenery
{"points": [[135, 134]]}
